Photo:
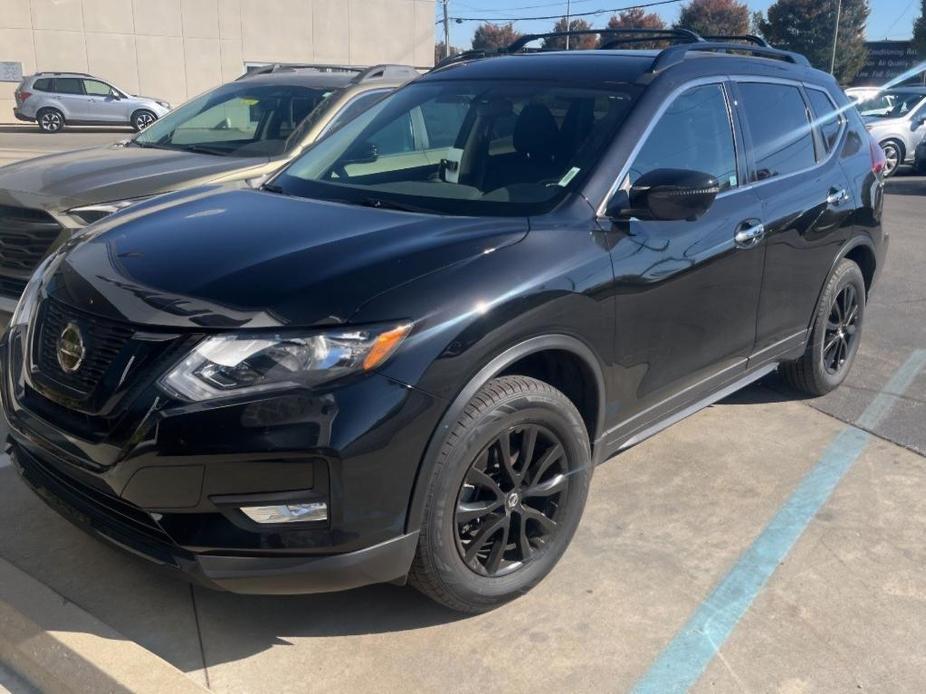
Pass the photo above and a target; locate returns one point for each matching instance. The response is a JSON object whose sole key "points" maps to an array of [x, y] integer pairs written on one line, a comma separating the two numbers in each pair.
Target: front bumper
{"points": [[165, 482]]}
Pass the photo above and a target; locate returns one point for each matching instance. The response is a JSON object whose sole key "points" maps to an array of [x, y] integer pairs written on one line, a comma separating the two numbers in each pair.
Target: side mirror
{"points": [[667, 195], [367, 153]]}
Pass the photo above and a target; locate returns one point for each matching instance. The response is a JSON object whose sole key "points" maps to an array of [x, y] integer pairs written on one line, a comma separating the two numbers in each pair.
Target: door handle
{"points": [[837, 196], [749, 234]]}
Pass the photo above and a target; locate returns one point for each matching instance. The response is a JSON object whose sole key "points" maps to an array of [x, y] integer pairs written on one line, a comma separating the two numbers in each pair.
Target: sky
{"points": [[889, 18]]}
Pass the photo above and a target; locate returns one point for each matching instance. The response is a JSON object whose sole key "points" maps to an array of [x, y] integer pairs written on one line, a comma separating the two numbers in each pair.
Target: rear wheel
{"points": [[50, 120], [141, 119], [835, 337], [893, 157], [506, 497]]}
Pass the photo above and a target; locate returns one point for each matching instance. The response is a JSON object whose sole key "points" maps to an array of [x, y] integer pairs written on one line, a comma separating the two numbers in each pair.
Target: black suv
{"points": [[407, 365]]}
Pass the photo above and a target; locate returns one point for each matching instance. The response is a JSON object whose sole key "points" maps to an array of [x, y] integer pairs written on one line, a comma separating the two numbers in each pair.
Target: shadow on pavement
{"points": [[29, 128], [907, 186]]}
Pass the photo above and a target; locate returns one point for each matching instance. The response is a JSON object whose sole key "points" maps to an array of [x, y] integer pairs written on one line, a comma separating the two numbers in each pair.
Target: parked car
{"points": [[242, 130], [919, 159], [871, 101], [53, 100], [900, 129], [404, 356]]}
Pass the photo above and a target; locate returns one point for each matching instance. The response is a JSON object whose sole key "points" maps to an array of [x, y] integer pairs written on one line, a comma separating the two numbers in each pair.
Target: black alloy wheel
{"points": [[841, 330], [508, 508]]}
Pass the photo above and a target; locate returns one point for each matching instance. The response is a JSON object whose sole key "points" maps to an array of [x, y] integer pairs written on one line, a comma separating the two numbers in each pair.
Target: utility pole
{"points": [[836, 36], [445, 3], [568, 12]]}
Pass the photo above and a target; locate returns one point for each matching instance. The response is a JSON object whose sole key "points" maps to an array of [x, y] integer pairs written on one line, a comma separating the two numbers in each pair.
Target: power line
{"points": [[522, 7], [558, 16]]}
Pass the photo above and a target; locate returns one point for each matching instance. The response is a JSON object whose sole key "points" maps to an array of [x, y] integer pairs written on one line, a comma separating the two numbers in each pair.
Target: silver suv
{"points": [[899, 128], [54, 99]]}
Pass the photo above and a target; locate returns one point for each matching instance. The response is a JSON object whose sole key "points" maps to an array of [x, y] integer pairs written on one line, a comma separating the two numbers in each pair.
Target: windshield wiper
{"points": [[381, 204], [275, 188], [201, 149]]}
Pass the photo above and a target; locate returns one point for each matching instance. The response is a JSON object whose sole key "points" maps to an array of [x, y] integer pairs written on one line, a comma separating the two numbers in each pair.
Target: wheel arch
{"points": [[861, 251], [525, 358]]}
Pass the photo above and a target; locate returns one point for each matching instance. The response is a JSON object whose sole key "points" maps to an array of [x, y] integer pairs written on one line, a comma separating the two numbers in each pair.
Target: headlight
{"points": [[25, 307], [227, 365], [94, 213]]}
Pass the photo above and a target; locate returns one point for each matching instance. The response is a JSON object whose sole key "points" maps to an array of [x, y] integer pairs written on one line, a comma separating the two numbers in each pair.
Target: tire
{"points": [[50, 120], [893, 155], [450, 565], [142, 118], [835, 337]]}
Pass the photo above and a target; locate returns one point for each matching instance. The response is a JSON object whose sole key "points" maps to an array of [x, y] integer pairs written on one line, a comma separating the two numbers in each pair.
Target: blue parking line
{"points": [[686, 657]]}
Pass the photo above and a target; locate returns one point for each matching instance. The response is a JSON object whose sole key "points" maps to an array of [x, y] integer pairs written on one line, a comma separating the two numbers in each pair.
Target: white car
{"points": [[899, 129], [870, 101]]}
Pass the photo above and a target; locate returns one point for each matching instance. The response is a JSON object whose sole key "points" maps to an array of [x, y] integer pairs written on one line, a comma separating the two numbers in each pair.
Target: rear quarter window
{"points": [[42, 85], [828, 120]]}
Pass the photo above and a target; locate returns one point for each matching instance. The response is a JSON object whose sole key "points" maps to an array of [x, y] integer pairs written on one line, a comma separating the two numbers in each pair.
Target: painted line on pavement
{"points": [[685, 658]]}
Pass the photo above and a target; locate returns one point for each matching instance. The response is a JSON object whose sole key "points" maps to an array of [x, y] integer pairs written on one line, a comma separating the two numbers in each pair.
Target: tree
{"points": [[807, 26], [489, 36], [715, 17], [558, 43], [440, 51], [635, 18], [919, 33]]}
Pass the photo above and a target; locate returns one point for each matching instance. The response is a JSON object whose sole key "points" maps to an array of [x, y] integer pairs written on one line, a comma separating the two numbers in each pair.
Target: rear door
{"points": [[686, 291], [806, 204], [69, 91]]}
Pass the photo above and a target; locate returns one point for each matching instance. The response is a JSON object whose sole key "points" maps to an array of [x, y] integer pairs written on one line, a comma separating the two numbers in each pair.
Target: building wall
{"points": [[175, 49]]}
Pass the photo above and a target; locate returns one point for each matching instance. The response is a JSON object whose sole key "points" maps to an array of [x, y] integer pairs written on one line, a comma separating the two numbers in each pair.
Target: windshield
{"points": [[894, 105], [236, 120], [465, 147]]}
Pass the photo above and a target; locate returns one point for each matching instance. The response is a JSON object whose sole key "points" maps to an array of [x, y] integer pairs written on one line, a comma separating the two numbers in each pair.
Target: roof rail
{"points": [[386, 72], [283, 67], [673, 55], [521, 42], [638, 35], [65, 72], [748, 38]]}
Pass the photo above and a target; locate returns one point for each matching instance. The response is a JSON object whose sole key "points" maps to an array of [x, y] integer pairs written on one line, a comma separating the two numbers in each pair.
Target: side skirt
{"points": [[685, 412]]}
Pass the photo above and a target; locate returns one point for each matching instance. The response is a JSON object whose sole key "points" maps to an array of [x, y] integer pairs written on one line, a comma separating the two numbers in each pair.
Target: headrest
{"points": [[536, 134]]}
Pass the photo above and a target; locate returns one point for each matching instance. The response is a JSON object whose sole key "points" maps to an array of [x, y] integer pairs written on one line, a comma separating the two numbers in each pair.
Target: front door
{"points": [[686, 291], [102, 104]]}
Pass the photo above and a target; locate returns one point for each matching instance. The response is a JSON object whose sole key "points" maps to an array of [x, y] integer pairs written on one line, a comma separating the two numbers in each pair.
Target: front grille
{"points": [[25, 237], [103, 341]]}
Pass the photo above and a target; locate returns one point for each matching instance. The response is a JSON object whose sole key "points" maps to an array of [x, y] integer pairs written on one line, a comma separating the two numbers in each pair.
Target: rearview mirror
{"points": [[667, 195]]}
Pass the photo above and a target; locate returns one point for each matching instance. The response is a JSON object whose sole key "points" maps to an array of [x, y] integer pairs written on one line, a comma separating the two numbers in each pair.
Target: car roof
{"points": [[616, 66]]}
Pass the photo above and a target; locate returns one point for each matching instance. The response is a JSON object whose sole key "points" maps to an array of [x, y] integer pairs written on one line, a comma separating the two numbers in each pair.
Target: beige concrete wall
{"points": [[175, 49]]}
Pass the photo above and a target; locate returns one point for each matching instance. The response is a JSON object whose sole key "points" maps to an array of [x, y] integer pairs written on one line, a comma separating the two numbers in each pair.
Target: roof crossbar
{"points": [[683, 34], [748, 38]]}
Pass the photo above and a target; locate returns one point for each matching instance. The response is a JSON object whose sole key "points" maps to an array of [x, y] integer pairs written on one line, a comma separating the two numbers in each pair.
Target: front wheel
{"points": [[835, 337], [893, 157], [506, 496], [142, 119]]}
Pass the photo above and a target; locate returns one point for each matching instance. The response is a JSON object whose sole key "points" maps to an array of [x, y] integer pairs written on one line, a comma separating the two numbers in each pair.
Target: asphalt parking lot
{"points": [[767, 543]]}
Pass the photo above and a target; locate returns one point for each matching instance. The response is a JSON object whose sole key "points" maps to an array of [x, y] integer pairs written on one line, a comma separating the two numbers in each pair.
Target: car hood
{"points": [[887, 123], [57, 182], [222, 258]]}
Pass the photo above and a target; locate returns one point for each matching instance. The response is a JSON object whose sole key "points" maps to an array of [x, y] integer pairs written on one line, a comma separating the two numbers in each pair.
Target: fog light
{"points": [[287, 513]]}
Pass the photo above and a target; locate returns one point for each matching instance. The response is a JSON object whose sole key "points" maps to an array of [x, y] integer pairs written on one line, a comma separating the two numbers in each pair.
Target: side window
{"points": [[781, 133], [395, 138], [68, 85], [42, 85], [828, 119], [694, 133], [443, 121], [354, 108], [96, 88]]}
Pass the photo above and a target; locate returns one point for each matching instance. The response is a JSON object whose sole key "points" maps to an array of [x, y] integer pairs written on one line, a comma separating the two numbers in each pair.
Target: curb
{"points": [[58, 647]]}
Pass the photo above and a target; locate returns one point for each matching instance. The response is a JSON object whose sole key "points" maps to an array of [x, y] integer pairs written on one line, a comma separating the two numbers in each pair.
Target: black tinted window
{"points": [[42, 85], [694, 133], [828, 120], [68, 85], [780, 130]]}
